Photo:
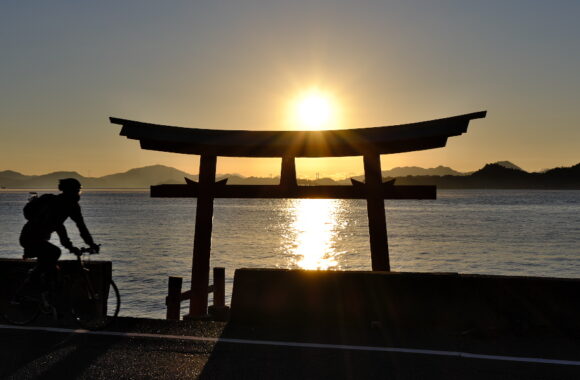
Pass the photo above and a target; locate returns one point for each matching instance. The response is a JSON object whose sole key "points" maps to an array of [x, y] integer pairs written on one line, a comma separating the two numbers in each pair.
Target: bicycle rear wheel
{"points": [[92, 312], [23, 307]]}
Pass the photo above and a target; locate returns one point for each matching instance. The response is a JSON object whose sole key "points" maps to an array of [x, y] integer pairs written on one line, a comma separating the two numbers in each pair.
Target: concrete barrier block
{"points": [[440, 301]]}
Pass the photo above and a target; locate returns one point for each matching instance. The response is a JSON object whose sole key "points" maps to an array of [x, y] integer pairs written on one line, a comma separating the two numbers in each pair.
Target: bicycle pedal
{"points": [[45, 301], [15, 302]]}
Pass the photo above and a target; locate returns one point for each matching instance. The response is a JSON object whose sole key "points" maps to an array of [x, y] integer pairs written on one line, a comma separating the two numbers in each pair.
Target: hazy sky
{"points": [[66, 66]]}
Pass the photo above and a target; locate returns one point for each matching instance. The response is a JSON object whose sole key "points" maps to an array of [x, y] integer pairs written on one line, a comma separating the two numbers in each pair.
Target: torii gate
{"points": [[369, 143]]}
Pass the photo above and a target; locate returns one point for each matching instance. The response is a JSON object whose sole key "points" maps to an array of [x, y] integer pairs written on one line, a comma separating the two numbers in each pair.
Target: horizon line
{"points": [[276, 176]]}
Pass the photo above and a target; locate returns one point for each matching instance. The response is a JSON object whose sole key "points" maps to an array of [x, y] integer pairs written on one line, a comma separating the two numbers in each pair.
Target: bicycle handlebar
{"points": [[90, 250]]}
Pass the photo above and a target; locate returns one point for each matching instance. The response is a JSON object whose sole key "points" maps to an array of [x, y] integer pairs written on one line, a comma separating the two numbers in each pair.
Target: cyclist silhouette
{"points": [[49, 217]]}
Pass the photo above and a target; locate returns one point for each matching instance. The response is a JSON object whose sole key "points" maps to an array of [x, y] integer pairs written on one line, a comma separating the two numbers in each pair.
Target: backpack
{"points": [[36, 205]]}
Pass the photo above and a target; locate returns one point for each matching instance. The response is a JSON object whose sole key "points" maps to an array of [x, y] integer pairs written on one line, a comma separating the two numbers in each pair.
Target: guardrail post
{"points": [[173, 299], [219, 287], [219, 311]]}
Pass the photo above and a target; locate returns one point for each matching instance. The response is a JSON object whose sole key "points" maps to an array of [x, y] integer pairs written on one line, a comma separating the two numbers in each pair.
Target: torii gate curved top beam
{"points": [[331, 143]]}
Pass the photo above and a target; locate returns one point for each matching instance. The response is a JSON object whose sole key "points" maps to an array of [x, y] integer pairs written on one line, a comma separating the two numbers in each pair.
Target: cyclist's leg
{"points": [[33, 278], [48, 255], [24, 305]]}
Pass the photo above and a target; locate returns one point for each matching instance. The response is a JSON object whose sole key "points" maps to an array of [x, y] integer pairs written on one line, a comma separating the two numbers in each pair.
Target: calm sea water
{"points": [[466, 231]]}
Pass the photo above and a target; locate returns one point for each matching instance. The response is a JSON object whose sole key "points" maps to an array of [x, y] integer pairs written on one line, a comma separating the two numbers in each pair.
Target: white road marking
{"points": [[459, 354]]}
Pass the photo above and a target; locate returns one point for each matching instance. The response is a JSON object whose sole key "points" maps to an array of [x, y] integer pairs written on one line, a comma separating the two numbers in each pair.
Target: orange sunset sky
{"points": [[67, 66]]}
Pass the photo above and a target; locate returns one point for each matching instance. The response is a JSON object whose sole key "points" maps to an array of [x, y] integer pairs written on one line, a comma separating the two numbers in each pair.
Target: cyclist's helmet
{"points": [[68, 185]]}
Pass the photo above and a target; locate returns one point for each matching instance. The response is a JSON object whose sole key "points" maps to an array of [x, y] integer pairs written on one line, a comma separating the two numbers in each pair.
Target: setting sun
{"points": [[314, 110]]}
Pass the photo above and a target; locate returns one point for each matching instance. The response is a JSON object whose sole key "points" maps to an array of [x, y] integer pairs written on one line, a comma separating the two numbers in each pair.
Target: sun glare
{"points": [[314, 225], [314, 110]]}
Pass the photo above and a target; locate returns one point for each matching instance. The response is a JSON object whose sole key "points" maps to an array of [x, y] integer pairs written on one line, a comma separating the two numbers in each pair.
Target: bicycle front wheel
{"points": [[95, 311]]}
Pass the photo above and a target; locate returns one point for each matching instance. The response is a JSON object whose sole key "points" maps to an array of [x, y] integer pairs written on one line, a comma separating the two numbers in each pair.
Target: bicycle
{"points": [[73, 293]]}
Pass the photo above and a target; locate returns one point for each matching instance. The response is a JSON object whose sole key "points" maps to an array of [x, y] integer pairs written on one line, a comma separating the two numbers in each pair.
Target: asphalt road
{"points": [[210, 350]]}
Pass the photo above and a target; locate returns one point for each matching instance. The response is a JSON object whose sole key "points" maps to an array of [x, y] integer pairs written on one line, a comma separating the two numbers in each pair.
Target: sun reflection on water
{"points": [[314, 225]]}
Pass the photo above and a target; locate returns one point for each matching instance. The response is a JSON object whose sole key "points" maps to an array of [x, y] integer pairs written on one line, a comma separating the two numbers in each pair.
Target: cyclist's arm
{"points": [[63, 236], [77, 217]]}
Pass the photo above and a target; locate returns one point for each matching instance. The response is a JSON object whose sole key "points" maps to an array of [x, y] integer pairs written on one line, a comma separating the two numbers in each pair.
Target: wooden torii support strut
{"points": [[369, 143]]}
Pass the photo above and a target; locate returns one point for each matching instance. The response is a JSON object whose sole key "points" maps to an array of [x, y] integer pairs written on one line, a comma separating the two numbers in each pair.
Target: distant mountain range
{"points": [[134, 178], [499, 175], [415, 170]]}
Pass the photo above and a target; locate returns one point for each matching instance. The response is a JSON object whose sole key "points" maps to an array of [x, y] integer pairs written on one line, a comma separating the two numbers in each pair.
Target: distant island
{"points": [[498, 175]]}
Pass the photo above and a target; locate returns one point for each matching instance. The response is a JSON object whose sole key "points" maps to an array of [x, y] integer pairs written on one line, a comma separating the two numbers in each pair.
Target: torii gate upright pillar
{"points": [[202, 238], [376, 212]]}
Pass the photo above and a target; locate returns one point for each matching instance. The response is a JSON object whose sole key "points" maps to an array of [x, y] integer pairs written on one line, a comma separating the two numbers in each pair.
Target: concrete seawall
{"points": [[446, 302]]}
